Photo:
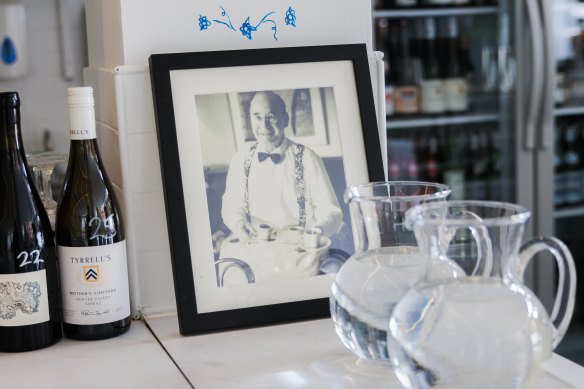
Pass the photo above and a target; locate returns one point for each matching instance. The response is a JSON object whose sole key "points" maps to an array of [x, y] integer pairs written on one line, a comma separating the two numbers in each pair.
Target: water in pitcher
{"points": [[469, 333], [364, 293]]}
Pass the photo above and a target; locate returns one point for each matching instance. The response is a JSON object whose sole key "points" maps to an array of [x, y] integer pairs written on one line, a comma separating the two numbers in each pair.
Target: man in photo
{"points": [[277, 182]]}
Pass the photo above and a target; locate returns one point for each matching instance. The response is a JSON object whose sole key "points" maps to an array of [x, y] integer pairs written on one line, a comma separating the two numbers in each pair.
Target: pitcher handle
{"points": [[481, 236], [485, 249], [565, 261]]}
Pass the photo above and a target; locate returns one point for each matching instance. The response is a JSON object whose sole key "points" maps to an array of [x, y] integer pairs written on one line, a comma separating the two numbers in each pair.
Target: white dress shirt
{"points": [[272, 191]]}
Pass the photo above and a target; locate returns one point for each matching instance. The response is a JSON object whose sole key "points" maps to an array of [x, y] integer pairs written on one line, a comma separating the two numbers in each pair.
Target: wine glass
{"points": [[43, 165]]}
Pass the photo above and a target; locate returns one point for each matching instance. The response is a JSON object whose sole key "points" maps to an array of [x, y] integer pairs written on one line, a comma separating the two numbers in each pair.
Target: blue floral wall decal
{"points": [[204, 23], [247, 28], [290, 18], [228, 22]]}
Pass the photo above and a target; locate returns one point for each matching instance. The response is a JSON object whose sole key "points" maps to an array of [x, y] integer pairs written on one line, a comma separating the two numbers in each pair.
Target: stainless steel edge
{"points": [[546, 137], [524, 171], [543, 211], [535, 88]]}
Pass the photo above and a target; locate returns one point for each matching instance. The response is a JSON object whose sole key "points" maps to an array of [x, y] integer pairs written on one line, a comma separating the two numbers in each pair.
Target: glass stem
{"points": [[47, 187]]}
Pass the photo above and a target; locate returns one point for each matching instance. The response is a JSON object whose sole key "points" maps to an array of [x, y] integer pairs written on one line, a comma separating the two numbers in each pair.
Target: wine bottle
{"points": [[417, 40], [573, 166], [478, 181], [30, 313], [411, 167], [90, 235], [495, 178], [421, 151], [560, 88], [455, 83], [406, 3], [559, 169], [432, 163], [579, 144], [384, 45], [406, 99], [432, 86], [454, 170]]}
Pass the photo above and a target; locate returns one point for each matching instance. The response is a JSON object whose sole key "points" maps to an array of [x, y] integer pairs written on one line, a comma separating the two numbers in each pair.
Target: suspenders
{"points": [[298, 180], [300, 187], [246, 167]]}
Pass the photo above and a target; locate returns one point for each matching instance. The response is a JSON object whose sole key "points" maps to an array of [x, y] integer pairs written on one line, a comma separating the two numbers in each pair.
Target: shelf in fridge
{"points": [[416, 122], [575, 211], [569, 110], [429, 12], [483, 108]]}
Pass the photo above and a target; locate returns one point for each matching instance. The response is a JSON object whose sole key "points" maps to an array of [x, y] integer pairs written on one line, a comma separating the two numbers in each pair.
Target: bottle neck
{"points": [[83, 150], [83, 134], [429, 29], [10, 136]]}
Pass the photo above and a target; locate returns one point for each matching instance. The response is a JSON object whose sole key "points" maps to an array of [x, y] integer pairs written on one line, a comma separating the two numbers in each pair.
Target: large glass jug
{"points": [[385, 264], [486, 331]]}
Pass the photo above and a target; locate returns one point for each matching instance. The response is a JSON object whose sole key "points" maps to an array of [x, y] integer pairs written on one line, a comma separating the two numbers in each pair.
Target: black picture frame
{"points": [[163, 67]]}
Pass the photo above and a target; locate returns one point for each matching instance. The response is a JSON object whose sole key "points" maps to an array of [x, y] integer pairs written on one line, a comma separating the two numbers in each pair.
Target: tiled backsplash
{"points": [[44, 89], [121, 38]]}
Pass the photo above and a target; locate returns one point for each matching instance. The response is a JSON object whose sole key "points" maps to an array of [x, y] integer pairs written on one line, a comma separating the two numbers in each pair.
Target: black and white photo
{"points": [[275, 206], [256, 150]]}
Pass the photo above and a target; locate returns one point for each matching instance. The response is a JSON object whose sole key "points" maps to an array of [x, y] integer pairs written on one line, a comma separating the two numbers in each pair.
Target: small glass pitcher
{"points": [[385, 264], [469, 331]]}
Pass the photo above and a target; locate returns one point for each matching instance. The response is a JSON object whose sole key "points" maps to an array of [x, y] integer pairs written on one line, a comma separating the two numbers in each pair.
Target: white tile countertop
{"points": [[298, 355], [132, 360]]}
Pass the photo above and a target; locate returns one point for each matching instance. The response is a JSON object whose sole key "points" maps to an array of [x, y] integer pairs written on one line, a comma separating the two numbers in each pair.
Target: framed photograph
{"points": [[256, 149]]}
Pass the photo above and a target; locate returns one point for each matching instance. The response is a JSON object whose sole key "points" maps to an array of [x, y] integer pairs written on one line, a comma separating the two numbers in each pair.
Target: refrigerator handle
{"points": [[547, 123], [534, 86]]}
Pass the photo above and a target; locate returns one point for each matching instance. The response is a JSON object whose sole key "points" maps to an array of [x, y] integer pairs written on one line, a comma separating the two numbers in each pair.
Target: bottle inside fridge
{"points": [[444, 94]]}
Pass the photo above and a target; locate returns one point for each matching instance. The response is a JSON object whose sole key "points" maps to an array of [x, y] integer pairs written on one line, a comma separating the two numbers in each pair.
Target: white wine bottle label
{"points": [[454, 179], [406, 99], [389, 100], [433, 96], [456, 90], [82, 123], [94, 284], [23, 299]]}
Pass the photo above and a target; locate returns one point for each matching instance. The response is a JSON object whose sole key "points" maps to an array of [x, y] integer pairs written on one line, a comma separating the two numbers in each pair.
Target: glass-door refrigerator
{"points": [[487, 97], [564, 33]]}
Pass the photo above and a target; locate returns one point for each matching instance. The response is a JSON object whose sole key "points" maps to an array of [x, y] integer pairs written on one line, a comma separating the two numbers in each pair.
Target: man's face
{"points": [[267, 122]]}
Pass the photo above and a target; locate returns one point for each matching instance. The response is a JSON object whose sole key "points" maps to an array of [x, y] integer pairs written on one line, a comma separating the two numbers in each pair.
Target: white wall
{"points": [[43, 90]]}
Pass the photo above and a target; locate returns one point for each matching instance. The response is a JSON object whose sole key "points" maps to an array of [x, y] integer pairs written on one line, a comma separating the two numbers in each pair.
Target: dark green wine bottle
{"points": [[90, 235], [30, 314]]}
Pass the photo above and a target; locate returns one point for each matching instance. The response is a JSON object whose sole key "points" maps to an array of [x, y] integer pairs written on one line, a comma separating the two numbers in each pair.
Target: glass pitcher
{"points": [[385, 264], [487, 331]]}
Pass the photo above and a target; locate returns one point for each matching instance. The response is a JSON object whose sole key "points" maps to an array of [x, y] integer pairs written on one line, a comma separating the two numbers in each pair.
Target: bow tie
{"points": [[276, 158]]}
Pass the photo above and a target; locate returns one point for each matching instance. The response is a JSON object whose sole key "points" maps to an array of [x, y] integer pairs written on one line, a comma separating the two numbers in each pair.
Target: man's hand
{"points": [[245, 230]]}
